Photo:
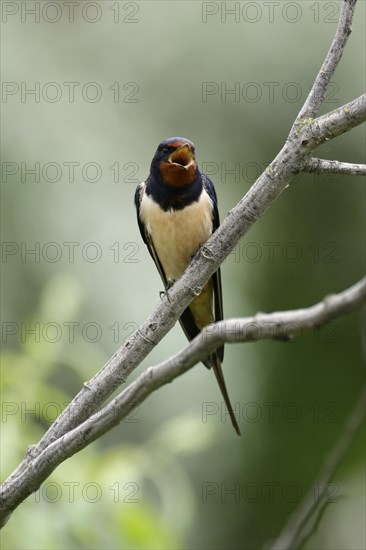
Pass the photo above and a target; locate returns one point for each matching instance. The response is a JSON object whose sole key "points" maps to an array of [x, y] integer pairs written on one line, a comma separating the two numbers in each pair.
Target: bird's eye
{"points": [[165, 149]]}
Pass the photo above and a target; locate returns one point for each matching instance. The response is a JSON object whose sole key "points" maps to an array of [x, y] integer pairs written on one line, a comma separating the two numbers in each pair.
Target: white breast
{"points": [[177, 234]]}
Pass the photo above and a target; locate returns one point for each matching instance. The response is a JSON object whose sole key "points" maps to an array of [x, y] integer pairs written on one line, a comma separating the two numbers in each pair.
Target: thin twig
{"points": [[334, 167], [317, 93], [262, 326], [298, 529], [339, 121]]}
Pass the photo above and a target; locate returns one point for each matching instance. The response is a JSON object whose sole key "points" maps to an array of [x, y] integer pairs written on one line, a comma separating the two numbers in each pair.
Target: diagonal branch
{"points": [[316, 96], [279, 325], [334, 167]]}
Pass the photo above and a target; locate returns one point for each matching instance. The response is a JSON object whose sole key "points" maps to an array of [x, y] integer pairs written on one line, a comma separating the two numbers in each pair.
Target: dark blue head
{"points": [[174, 181], [174, 162]]}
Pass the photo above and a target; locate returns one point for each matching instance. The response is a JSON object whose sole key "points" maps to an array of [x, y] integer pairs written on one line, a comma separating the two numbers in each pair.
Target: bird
{"points": [[177, 211]]}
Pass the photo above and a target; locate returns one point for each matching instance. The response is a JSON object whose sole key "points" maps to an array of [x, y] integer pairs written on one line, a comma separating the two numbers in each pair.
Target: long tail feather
{"points": [[216, 365]]}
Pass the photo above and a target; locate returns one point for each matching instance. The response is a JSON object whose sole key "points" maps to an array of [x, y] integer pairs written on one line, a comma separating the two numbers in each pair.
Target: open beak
{"points": [[183, 157]]}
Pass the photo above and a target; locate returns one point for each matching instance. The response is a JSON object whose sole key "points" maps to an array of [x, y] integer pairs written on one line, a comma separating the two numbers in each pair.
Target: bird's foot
{"points": [[165, 292]]}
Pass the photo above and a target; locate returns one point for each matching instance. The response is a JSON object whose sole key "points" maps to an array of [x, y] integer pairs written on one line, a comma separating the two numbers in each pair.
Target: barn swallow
{"points": [[177, 212]]}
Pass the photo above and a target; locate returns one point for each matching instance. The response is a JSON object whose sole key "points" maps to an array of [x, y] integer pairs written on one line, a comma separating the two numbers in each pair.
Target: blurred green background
{"points": [[110, 81]]}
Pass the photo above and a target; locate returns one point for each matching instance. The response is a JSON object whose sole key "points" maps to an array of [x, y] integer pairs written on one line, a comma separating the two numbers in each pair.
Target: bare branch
{"points": [[339, 121], [300, 524], [317, 92], [280, 325], [334, 167]]}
